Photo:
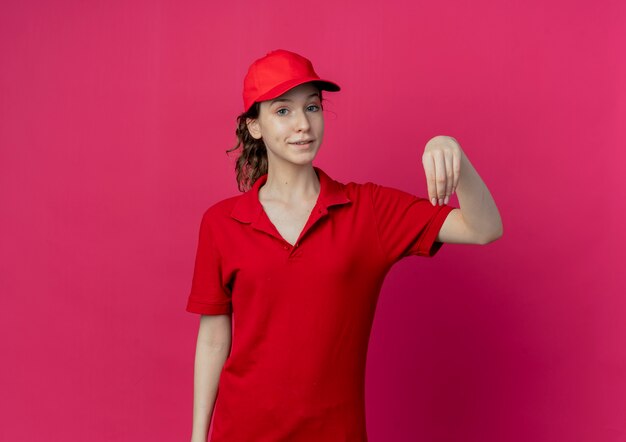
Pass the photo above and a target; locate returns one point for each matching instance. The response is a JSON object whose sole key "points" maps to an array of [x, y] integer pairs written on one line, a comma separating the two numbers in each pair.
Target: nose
{"points": [[302, 122]]}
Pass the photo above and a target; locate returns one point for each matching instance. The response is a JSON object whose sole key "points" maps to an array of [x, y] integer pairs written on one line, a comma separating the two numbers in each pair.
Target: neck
{"points": [[291, 183]]}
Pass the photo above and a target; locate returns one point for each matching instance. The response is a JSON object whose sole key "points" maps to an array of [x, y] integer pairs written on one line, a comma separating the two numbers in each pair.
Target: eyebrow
{"points": [[276, 100]]}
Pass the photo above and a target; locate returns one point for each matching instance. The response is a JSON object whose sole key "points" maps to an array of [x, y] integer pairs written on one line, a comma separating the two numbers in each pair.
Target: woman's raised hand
{"points": [[442, 164]]}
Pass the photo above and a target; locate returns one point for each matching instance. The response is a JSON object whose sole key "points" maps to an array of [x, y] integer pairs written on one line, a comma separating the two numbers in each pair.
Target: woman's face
{"points": [[291, 125]]}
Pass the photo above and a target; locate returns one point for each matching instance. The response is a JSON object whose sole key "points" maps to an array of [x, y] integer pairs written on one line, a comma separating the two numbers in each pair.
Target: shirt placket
{"points": [[264, 224]]}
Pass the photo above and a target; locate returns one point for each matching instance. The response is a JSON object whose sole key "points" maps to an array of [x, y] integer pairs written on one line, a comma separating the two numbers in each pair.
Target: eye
{"points": [[313, 108], [282, 111]]}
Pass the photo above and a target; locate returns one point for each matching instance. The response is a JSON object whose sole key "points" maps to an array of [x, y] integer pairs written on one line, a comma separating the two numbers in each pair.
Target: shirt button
{"points": [[286, 247]]}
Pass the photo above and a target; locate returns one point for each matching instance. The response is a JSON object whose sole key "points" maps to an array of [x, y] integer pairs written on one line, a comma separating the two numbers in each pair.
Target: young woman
{"points": [[298, 261]]}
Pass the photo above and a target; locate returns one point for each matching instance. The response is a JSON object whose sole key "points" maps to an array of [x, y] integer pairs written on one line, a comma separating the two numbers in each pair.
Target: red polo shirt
{"points": [[302, 314]]}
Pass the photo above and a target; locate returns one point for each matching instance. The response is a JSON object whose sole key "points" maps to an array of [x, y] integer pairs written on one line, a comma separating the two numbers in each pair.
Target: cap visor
{"points": [[277, 91]]}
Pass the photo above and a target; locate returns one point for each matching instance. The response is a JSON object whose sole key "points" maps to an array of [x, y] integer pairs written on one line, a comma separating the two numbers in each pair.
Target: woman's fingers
{"points": [[449, 175], [429, 169], [442, 163], [441, 177]]}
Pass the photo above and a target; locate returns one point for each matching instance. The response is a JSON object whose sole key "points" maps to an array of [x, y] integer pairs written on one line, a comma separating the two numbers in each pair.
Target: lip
{"points": [[305, 143]]}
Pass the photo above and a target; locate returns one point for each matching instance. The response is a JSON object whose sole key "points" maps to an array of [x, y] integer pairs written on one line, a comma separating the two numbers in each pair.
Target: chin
{"points": [[303, 162], [303, 158]]}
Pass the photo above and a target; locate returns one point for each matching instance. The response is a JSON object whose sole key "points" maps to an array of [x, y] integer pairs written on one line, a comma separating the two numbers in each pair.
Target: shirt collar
{"points": [[248, 207]]}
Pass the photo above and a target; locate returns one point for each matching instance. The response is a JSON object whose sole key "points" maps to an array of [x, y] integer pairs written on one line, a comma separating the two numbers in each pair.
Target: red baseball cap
{"points": [[276, 73]]}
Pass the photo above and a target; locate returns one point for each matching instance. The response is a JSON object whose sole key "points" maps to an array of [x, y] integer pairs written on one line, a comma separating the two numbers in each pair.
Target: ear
{"points": [[253, 128]]}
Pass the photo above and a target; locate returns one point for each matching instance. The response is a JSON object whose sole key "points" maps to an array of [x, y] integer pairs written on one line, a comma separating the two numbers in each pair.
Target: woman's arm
{"points": [[448, 170], [212, 349]]}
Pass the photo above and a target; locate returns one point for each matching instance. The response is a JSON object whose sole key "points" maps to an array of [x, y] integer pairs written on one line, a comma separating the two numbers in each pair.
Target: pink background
{"points": [[114, 119]]}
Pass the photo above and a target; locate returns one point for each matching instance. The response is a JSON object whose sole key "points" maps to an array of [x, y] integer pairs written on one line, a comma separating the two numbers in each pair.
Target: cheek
{"points": [[275, 127], [320, 125]]}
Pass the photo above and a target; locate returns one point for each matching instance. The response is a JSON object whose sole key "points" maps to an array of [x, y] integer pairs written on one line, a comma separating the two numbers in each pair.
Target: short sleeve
{"points": [[407, 224], [209, 296]]}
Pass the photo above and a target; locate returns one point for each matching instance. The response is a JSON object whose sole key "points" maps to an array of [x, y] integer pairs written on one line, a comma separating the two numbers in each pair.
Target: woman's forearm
{"points": [[478, 207], [212, 350]]}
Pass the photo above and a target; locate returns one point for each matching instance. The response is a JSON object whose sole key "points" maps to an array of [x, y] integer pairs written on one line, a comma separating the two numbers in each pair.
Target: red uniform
{"points": [[302, 314]]}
